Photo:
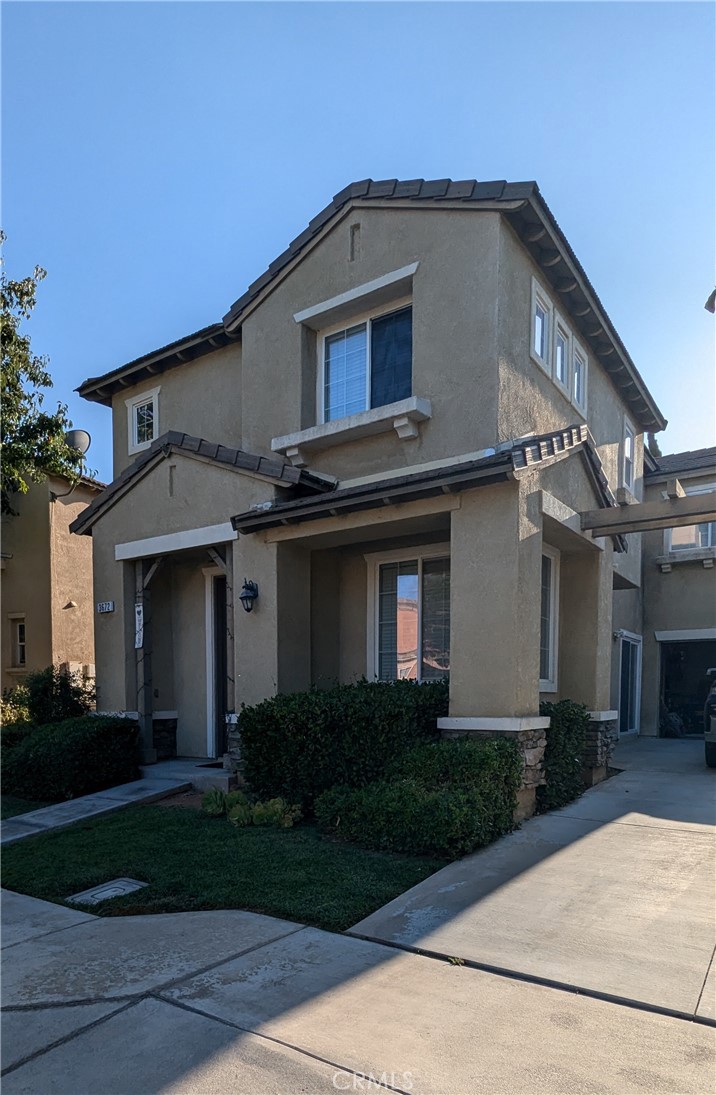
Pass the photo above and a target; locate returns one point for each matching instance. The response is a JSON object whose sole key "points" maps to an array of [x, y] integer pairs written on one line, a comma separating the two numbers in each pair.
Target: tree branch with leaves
{"points": [[33, 443]]}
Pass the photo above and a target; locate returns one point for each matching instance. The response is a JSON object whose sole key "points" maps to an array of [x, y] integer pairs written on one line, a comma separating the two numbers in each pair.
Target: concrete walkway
{"points": [[149, 789], [615, 894], [233, 1003]]}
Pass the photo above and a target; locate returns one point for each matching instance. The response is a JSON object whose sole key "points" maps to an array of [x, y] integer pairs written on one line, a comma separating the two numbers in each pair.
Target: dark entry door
{"points": [[220, 693]]}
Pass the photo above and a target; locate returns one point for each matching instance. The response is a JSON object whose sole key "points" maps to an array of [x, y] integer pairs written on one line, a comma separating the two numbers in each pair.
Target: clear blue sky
{"points": [[157, 156]]}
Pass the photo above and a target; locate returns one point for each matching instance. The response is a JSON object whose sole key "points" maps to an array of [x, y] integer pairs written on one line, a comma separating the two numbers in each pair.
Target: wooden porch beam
{"points": [[152, 571], [691, 509]]}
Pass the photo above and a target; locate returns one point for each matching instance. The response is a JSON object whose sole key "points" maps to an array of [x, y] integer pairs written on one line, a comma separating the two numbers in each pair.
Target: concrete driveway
{"points": [[232, 1003], [615, 894]]}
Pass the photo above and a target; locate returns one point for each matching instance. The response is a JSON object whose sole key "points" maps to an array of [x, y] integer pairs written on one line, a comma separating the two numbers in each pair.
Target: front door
{"points": [[219, 669], [630, 684]]}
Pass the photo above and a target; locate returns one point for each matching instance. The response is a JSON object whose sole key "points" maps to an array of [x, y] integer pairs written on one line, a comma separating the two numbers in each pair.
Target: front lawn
{"points": [[10, 806], [192, 861]]}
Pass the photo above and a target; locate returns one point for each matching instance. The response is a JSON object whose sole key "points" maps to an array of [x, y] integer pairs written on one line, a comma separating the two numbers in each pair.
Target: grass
{"points": [[192, 861], [11, 806]]}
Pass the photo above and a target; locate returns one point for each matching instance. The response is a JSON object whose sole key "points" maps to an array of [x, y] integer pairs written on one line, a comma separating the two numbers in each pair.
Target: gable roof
{"points": [[284, 475], [693, 460], [525, 209], [509, 463]]}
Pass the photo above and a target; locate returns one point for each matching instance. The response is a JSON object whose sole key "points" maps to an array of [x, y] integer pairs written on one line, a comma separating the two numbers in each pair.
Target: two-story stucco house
{"points": [[391, 437]]}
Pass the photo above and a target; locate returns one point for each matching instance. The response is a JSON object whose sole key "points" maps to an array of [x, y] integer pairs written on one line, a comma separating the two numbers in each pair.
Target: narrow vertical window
{"points": [[20, 644], [579, 380], [142, 420], [549, 602], [541, 331], [628, 464], [561, 358]]}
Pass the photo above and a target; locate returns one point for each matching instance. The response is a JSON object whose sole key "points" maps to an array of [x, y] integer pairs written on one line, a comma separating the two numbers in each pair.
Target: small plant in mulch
{"points": [[275, 813]]}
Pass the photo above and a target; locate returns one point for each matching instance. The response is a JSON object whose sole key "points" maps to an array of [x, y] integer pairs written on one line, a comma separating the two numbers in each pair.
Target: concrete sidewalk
{"points": [[615, 894], [149, 789], [234, 1003]]}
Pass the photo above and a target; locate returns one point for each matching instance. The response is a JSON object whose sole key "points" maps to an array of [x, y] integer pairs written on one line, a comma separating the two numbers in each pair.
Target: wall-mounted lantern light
{"points": [[248, 595]]}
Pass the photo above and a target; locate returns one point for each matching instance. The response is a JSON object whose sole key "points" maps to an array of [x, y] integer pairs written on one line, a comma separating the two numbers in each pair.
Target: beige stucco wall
{"points": [[71, 578], [202, 398], [530, 402], [454, 308]]}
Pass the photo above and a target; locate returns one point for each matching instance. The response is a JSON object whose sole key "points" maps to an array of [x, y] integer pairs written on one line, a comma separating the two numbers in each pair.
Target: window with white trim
{"points": [[549, 619], [579, 377], [693, 537], [541, 327], [366, 365], [411, 609], [142, 420], [562, 356], [628, 455]]}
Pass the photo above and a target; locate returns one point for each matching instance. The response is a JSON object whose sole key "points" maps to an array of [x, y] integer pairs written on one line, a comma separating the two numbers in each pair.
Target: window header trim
{"points": [[371, 293]]}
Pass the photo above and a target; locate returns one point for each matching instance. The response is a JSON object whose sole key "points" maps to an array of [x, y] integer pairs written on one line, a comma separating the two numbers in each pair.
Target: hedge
{"points": [[452, 798], [564, 755], [66, 759], [298, 745]]}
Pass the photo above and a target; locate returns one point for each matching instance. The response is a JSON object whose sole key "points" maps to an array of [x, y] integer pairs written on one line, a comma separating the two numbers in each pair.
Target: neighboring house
{"points": [[679, 599], [46, 583], [393, 433]]}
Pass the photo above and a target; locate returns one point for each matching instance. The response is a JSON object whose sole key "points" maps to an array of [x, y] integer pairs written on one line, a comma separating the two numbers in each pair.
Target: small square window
{"points": [[142, 420]]}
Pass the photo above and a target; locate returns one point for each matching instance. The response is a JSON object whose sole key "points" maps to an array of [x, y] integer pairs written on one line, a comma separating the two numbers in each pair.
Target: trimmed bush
{"points": [[50, 695], [296, 746], [564, 755], [70, 758], [453, 797]]}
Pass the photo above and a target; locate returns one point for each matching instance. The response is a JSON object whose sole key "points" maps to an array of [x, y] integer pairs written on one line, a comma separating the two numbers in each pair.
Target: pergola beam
{"points": [[675, 512]]}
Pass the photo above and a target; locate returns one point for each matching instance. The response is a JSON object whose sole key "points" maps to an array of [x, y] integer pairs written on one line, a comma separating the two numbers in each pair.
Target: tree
{"points": [[33, 442]]}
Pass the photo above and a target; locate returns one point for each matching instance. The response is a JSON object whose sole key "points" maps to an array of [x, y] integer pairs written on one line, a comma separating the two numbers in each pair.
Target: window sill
{"points": [[404, 417], [705, 556]]}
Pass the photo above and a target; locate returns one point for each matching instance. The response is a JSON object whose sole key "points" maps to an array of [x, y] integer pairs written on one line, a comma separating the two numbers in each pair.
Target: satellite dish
{"points": [[79, 440]]}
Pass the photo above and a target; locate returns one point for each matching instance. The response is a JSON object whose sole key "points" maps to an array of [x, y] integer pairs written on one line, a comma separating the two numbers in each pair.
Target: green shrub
{"points": [[296, 746], [564, 755], [240, 813], [275, 813], [452, 797], [214, 802], [70, 758], [51, 695], [14, 732]]}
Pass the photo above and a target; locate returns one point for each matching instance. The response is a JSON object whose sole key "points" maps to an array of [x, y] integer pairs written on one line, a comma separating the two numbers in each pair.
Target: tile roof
{"points": [[526, 210], [283, 474], [504, 464], [685, 461]]}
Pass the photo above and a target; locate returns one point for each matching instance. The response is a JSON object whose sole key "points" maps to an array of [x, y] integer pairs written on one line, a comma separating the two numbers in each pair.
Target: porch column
{"points": [[273, 642], [495, 546], [585, 645]]}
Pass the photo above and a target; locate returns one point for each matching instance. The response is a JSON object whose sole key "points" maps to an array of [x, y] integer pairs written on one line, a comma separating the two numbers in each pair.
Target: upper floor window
{"points": [[562, 357], [579, 377], [369, 364], [693, 537], [628, 456], [541, 327], [19, 642], [142, 420]]}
